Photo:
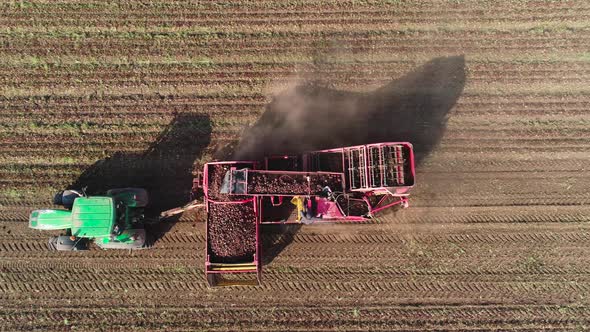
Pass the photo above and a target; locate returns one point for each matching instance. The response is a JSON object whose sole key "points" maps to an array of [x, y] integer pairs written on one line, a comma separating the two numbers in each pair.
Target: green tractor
{"points": [[114, 221]]}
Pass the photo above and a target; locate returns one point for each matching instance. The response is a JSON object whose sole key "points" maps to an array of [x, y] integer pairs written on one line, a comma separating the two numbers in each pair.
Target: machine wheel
{"points": [[212, 279], [66, 198], [52, 243], [64, 243], [149, 240], [136, 244], [141, 194]]}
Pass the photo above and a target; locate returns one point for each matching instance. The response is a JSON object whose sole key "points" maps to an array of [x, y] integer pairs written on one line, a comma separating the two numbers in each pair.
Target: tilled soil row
{"points": [[425, 256], [465, 264], [559, 77], [303, 270], [283, 17], [101, 141], [257, 297], [386, 68], [278, 46], [303, 7], [132, 103], [320, 18], [287, 39], [520, 292], [245, 71], [387, 318], [125, 103], [260, 297], [509, 129]]}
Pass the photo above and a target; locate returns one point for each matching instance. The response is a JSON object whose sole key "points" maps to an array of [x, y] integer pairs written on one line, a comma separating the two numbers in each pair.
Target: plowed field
{"points": [[494, 96]]}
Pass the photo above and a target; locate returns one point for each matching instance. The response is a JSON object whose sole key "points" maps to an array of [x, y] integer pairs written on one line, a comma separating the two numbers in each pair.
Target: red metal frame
{"points": [[395, 190], [360, 159]]}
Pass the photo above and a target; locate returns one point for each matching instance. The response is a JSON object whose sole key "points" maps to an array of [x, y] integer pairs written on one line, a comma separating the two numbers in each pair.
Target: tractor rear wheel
{"points": [[52, 243], [149, 240], [141, 195]]}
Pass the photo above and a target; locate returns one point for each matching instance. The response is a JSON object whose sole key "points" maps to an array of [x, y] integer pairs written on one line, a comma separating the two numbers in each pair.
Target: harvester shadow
{"points": [[165, 168], [275, 238], [308, 117]]}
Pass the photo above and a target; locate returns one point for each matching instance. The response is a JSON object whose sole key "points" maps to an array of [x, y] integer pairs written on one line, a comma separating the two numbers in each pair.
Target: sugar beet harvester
{"points": [[349, 184]]}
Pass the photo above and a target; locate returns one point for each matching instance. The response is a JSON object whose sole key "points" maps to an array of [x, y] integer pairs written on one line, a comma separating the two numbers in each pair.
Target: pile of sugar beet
{"points": [[291, 184]]}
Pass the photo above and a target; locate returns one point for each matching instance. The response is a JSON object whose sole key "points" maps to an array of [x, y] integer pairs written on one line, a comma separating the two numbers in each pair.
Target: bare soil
{"points": [[493, 95]]}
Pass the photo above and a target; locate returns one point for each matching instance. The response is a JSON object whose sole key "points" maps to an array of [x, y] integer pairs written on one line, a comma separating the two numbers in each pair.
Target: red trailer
{"points": [[233, 226], [348, 184]]}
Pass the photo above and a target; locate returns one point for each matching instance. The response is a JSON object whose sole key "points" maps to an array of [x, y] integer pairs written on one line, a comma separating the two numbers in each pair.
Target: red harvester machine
{"points": [[349, 184]]}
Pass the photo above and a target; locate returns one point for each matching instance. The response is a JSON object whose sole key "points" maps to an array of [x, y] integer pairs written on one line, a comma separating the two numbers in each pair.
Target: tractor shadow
{"points": [[307, 117], [165, 168]]}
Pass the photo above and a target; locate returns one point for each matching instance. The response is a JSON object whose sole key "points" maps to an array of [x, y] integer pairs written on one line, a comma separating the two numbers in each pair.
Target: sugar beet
{"points": [[232, 232], [291, 184]]}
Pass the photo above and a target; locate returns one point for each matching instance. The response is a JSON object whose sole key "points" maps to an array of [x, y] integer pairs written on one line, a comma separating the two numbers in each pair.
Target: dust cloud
{"points": [[308, 116]]}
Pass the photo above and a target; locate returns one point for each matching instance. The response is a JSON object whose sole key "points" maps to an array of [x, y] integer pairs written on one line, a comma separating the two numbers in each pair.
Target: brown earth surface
{"points": [[493, 94]]}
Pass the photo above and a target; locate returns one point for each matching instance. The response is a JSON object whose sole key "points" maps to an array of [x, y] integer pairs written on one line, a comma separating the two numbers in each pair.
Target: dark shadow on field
{"points": [[165, 169], [275, 238], [307, 117]]}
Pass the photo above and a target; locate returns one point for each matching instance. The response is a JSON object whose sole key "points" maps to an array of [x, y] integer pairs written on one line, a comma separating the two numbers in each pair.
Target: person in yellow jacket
{"points": [[306, 209], [299, 203]]}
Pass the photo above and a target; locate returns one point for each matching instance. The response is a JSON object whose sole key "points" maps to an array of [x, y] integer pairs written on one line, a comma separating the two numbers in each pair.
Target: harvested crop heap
{"points": [[232, 232], [216, 174], [291, 184]]}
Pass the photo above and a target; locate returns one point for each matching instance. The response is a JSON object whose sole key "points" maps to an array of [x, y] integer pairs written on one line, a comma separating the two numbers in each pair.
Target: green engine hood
{"points": [[50, 219], [90, 217]]}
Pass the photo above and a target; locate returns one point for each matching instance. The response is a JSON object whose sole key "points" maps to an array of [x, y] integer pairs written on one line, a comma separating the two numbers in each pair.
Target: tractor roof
{"points": [[93, 216]]}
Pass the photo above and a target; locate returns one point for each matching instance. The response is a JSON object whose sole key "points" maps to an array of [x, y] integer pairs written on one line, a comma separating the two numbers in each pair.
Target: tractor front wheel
{"points": [[65, 243]]}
